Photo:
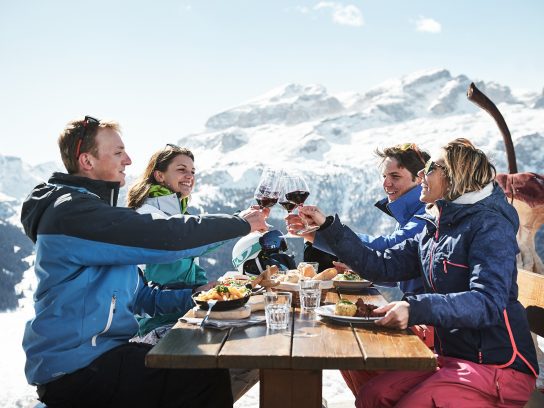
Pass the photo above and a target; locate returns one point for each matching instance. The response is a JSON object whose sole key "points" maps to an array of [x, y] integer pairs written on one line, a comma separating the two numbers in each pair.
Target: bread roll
{"points": [[345, 308], [308, 271], [292, 277], [327, 274]]}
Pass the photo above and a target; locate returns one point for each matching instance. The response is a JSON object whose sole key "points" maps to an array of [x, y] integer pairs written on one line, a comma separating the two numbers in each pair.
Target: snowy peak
{"points": [[287, 105], [17, 178]]}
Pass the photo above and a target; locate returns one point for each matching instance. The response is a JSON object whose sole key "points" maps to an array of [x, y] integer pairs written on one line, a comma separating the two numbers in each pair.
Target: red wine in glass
{"points": [[288, 205], [266, 202], [297, 197]]}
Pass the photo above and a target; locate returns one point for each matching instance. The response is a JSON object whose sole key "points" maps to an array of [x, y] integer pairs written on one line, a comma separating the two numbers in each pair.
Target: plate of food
{"points": [[346, 311], [227, 297], [350, 280]]}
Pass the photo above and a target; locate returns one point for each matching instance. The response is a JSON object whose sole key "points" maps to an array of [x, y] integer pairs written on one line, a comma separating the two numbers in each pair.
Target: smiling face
{"points": [[396, 180], [434, 184], [111, 158], [179, 176]]}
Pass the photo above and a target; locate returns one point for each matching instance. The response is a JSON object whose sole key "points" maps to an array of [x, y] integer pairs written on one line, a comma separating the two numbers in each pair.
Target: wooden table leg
{"points": [[290, 388]]}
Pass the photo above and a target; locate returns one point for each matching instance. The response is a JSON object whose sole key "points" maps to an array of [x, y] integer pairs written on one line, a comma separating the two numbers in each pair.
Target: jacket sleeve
{"points": [[155, 301], [492, 262], [398, 263], [94, 233], [382, 242]]}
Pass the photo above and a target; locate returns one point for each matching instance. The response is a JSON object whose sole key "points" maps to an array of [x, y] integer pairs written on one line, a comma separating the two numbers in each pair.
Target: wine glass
{"points": [[296, 191], [267, 192]]}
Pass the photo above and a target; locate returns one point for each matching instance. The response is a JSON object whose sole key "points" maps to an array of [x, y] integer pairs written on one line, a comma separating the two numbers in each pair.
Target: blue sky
{"points": [[161, 68]]}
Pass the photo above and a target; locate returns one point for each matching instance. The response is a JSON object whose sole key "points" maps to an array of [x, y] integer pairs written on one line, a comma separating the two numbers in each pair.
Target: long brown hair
{"points": [[467, 168], [160, 160]]}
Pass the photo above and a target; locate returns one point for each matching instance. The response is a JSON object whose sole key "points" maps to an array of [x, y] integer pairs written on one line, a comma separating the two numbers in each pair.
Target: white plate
{"points": [[351, 284], [328, 312]]}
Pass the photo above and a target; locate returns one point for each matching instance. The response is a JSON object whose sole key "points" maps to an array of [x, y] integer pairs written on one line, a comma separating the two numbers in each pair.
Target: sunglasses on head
{"points": [[88, 121], [411, 146], [430, 166]]}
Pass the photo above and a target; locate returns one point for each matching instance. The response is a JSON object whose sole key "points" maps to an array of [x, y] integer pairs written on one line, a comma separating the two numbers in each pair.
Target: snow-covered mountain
{"points": [[332, 139]]}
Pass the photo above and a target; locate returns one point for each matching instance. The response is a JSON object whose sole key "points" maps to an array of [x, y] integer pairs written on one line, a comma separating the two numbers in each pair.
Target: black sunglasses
{"points": [[88, 121], [431, 165]]}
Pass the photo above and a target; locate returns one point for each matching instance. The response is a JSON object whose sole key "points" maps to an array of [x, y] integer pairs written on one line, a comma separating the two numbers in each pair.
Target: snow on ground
{"points": [[335, 391], [14, 390]]}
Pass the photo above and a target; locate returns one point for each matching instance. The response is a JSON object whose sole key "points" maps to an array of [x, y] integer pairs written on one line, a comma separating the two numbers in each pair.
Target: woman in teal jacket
{"points": [[163, 190]]}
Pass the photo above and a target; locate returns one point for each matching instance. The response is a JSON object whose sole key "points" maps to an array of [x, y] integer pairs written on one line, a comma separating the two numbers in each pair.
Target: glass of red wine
{"points": [[295, 191], [267, 192]]}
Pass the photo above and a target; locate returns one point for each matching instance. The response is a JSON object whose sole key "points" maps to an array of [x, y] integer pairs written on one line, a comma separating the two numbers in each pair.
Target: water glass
{"points": [[310, 294], [277, 309]]}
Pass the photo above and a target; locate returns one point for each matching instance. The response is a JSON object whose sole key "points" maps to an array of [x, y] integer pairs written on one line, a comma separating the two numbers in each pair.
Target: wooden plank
{"points": [[290, 388], [320, 345], [531, 288], [187, 346], [257, 347], [388, 349]]}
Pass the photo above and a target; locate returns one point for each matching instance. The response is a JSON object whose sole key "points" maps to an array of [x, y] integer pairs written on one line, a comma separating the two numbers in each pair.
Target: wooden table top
{"points": [[308, 344]]}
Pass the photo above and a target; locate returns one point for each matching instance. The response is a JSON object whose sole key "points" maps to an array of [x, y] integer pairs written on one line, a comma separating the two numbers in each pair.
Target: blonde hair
{"points": [[467, 168], [160, 160], [69, 139]]}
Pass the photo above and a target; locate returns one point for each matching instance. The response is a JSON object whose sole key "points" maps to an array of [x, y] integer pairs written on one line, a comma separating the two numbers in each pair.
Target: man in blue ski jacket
{"points": [[89, 289], [400, 165]]}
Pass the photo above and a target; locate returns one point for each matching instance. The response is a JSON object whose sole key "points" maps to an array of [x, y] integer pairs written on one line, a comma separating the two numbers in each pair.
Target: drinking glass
{"points": [[310, 294], [268, 190], [296, 191], [277, 309]]}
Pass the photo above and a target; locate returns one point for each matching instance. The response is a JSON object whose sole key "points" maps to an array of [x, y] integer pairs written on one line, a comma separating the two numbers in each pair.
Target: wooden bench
{"points": [[531, 295]]}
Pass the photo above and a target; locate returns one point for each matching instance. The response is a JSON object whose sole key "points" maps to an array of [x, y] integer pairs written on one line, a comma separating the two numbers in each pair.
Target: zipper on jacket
{"points": [[108, 324], [446, 262], [433, 245]]}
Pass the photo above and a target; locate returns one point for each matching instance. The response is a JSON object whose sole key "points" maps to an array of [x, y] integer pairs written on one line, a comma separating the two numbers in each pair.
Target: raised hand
{"points": [[256, 218], [312, 214], [294, 223]]}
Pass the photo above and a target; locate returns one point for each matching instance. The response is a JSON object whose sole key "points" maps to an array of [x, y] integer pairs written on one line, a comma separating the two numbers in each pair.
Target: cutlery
{"points": [[211, 304]]}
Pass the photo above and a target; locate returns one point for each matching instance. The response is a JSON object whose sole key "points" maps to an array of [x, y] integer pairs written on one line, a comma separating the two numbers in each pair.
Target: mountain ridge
{"points": [[331, 139]]}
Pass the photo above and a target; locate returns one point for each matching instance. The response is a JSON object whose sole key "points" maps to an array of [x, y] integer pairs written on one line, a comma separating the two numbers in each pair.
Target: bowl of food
{"points": [[350, 280], [227, 297]]}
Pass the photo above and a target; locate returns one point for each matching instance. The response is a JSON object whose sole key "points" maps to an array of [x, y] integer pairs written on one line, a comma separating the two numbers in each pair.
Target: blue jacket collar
{"points": [[404, 208]]}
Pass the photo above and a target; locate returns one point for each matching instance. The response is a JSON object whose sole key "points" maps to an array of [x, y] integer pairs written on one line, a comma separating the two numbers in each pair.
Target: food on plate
{"points": [[308, 271], [327, 274], [345, 308], [292, 277], [366, 309], [348, 275], [266, 275], [358, 309], [223, 292], [238, 280]]}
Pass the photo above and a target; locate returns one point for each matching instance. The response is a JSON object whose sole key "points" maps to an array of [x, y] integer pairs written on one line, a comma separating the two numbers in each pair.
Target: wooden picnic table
{"points": [[291, 361]]}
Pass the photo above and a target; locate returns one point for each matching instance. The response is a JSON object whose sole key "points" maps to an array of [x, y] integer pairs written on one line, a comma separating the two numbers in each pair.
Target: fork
{"points": [[211, 304]]}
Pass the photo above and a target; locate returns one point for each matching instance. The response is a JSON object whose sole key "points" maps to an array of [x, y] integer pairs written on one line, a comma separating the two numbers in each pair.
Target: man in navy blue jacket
{"points": [[89, 289]]}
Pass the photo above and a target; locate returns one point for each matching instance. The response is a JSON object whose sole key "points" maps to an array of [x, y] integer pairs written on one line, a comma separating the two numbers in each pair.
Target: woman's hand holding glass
{"points": [[312, 215]]}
